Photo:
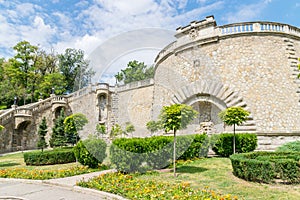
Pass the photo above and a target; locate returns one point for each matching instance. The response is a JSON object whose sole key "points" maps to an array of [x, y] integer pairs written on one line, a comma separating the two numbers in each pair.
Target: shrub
{"points": [[267, 166], [90, 152], [223, 144], [56, 156], [291, 146], [142, 154]]}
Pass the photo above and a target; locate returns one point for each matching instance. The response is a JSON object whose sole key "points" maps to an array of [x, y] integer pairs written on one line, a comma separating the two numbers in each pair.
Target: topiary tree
{"points": [[234, 116], [129, 128], [176, 117], [73, 124], [153, 126], [101, 129], [42, 132], [58, 132], [116, 130]]}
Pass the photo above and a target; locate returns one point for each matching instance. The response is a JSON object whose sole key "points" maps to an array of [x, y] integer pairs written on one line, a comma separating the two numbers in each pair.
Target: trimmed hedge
{"points": [[244, 143], [290, 147], [142, 154], [267, 166], [90, 152], [51, 157]]}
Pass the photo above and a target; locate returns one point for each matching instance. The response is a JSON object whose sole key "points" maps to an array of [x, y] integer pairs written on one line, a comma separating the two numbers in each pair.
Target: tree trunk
{"points": [[233, 138], [174, 154]]}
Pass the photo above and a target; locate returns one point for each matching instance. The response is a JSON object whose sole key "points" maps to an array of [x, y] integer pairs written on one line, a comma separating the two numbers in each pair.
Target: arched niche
{"points": [[102, 100]]}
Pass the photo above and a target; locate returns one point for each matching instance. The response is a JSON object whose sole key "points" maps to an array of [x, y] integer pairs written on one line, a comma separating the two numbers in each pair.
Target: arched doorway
{"points": [[208, 120], [20, 137]]}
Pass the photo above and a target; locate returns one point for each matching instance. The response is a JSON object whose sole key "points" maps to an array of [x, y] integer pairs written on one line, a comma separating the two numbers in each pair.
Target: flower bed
{"points": [[39, 174], [131, 187]]}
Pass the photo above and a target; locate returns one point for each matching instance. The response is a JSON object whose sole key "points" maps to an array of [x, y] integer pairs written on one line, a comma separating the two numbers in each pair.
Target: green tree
{"points": [[101, 129], [58, 132], [72, 125], [115, 131], [176, 117], [75, 69], [119, 77], [1, 127], [129, 128], [153, 126], [23, 68], [42, 132], [234, 116], [135, 71]]}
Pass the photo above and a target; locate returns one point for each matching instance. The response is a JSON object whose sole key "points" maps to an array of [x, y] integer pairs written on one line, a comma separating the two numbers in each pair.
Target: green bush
{"points": [[142, 154], [291, 146], [56, 156], [90, 152], [267, 166], [244, 142]]}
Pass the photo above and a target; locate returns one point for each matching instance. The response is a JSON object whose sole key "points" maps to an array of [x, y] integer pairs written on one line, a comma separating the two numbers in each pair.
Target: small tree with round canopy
{"points": [[234, 116], [176, 117]]}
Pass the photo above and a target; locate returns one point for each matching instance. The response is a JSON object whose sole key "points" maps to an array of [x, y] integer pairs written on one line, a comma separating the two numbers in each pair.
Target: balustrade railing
{"points": [[237, 28], [23, 112]]}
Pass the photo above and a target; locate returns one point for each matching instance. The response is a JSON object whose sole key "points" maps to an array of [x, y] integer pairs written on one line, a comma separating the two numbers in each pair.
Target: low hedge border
{"points": [[222, 144], [267, 166], [142, 154], [51, 157]]}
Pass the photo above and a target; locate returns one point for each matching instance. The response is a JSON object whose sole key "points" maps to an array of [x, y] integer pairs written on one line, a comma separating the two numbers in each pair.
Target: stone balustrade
{"points": [[136, 84], [59, 99], [23, 112], [4, 117], [198, 31]]}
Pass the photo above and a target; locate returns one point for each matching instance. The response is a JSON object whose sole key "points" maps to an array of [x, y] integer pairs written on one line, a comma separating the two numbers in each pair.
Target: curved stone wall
{"points": [[259, 67]]}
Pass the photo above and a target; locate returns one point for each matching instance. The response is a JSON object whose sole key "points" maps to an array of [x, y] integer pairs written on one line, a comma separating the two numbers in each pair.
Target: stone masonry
{"points": [[210, 67]]}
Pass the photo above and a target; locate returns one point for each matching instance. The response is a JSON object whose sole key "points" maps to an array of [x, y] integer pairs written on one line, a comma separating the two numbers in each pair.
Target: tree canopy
{"points": [[135, 71], [32, 73], [234, 116]]}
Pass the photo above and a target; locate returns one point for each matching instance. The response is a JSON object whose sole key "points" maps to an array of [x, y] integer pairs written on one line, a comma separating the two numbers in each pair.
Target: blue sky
{"points": [[85, 24]]}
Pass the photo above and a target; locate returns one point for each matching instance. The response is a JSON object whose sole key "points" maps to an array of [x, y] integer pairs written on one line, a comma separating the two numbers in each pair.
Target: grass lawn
{"points": [[213, 173], [13, 166], [216, 173]]}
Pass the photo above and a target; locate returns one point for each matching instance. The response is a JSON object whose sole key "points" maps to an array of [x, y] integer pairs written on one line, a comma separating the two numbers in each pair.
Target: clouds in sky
{"points": [[85, 24]]}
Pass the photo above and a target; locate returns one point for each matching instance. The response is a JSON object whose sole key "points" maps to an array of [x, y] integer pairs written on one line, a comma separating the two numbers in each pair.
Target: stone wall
{"points": [[255, 66], [135, 106]]}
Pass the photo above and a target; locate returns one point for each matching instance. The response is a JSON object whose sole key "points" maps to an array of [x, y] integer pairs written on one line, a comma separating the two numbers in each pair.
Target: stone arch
{"points": [[217, 94], [57, 111], [21, 136]]}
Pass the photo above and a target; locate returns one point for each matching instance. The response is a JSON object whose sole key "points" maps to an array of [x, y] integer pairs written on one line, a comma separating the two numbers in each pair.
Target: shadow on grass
{"points": [[190, 169], [8, 164]]}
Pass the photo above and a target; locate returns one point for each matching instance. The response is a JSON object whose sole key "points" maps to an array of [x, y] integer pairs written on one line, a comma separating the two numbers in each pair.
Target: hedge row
{"points": [[267, 166], [222, 144], [142, 154], [90, 152], [56, 156]]}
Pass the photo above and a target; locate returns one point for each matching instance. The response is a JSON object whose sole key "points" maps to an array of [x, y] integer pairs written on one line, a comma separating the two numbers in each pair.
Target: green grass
{"points": [[13, 166], [216, 174]]}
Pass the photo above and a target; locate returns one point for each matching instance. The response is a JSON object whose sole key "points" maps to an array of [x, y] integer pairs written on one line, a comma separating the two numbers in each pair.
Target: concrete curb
{"points": [[12, 198]]}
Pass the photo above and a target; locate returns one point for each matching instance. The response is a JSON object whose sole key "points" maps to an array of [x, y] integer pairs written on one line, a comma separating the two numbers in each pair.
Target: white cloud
{"points": [[38, 33], [246, 12]]}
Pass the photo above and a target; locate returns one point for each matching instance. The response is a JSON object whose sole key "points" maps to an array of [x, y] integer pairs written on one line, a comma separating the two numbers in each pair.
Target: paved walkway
{"points": [[53, 189]]}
